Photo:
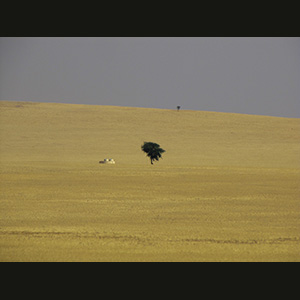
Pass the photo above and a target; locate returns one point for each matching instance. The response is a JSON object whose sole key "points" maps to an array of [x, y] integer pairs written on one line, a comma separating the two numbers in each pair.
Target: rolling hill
{"points": [[227, 188], [65, 132]]}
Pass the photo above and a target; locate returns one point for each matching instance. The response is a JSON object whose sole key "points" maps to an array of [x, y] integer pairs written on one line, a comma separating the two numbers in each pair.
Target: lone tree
{"points": [[178, 107], [153, 151]]}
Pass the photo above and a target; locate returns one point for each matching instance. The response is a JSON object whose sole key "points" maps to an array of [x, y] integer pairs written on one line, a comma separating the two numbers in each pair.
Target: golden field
{"points": [[227, 188]]}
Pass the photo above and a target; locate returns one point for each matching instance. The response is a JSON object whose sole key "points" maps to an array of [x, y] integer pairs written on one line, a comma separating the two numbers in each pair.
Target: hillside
{"points": [[66, 132], [227, 188]]}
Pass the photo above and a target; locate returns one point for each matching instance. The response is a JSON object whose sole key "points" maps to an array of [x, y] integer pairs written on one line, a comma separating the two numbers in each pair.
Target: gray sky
{"points": [[249, 75]]}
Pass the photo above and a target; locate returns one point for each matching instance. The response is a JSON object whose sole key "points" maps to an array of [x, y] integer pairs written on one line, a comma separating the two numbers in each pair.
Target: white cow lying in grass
{"points": [[107, 161]]}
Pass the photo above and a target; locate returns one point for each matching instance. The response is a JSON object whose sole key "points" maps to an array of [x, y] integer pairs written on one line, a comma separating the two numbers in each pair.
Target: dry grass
{"points": [[227, 189]]}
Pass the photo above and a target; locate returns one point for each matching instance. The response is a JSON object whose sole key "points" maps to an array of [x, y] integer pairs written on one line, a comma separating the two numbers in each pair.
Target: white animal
{"points": [[107, 161]]}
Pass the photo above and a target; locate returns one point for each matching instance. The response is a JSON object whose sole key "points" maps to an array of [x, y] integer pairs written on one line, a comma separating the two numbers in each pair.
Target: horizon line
{"points": [[143, 107]]}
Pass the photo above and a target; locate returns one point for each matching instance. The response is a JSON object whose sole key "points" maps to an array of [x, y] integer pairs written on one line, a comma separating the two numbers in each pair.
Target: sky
{"points": [[248, 75]]}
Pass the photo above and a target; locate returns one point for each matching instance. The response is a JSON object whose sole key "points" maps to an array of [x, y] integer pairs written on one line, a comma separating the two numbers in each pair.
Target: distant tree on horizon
{"points": [[153, 151], [178, 107]]}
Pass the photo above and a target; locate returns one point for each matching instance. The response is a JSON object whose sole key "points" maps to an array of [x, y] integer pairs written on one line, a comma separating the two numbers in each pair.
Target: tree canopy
{"points": [[153, 151]]}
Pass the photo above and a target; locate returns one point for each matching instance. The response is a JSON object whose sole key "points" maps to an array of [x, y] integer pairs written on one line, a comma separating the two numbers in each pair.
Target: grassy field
{"points": [[227, 188]]}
